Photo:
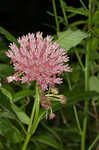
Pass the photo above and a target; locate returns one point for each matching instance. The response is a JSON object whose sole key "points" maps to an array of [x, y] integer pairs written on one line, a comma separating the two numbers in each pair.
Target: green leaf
{"points": [[3, 57], [79, 11], [69, 38], [22, 116], [6, 93], [22, 94], [79, 22], [76, 73], [67, 130], [6, 114], [51, 130], [48, 141], [3, 44], [9, 131], [9, 36], [1, 146], [4, 102], [74, 97], [96, 18], [94, 83], [5, 70]]}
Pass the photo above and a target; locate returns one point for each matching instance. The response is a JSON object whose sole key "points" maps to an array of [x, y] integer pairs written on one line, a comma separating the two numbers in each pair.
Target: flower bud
{"points": [[10, 79], [45, 103], [52, 116], [54, 90], [63, 99]]}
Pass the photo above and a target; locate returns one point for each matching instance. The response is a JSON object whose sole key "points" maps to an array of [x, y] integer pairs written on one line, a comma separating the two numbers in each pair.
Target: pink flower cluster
{"points": [[38, 59]]}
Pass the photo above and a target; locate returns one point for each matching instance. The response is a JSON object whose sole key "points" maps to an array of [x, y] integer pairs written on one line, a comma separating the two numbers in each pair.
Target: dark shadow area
{"points": [[22, 16]]}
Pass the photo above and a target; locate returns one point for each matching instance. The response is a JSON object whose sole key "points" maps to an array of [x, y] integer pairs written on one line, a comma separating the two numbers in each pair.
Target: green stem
{"points": [[34, 119], [64, 12], [76, 23], [63, 117], [94, 142], [83, 139], [26, 141], [37, 102], [32, 116], [84, 6], [74, 107], [79, 59], [55, 13], [86, 102], [35, 123], [35, 108], [77, 120], [94, 4], [68, 81]]}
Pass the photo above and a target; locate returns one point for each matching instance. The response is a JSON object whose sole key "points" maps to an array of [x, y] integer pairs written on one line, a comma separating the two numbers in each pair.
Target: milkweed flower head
{"points": [[38, 59]]}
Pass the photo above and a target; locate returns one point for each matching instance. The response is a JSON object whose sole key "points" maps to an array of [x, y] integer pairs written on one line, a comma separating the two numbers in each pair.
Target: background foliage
{"points": [[63, 133]]}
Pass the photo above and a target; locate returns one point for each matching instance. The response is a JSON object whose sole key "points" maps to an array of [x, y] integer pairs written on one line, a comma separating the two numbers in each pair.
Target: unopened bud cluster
{"points": [[53, 95]]}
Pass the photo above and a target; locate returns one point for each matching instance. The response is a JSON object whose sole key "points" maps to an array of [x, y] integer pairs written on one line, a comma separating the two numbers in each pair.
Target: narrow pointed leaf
{"points": [[5, 70], [48, 141], [10, 132], [22, 116], [22, 94], [9, 36], [6, 93]]}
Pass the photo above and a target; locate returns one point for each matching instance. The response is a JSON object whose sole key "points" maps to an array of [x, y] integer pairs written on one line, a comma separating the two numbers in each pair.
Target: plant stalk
{"points": [[64, 12], [74, 107], [77, 120], [84, 6], [94, 142], [56, 17], [79, 59], [32, 116], [26, 141], [34, 119], [83, 138]]}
